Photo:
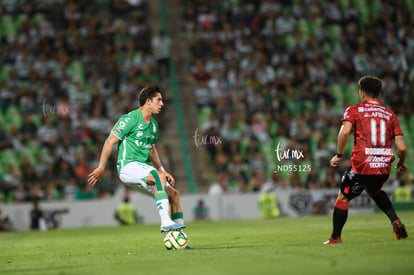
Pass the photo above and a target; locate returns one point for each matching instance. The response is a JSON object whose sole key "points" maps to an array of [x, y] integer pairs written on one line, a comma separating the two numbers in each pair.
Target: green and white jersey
{"points": [[137, 138]]}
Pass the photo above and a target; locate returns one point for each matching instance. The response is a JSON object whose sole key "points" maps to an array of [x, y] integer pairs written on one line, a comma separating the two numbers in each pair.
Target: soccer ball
{"points": [[174, 240]]}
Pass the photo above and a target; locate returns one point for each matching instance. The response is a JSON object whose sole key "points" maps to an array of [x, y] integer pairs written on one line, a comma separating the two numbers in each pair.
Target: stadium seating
{"points": [[97, 24], [76, 39], [325, 34]]}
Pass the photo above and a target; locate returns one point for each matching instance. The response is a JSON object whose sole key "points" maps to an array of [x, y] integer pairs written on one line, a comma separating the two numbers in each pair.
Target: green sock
{"points": [[178, 217]]}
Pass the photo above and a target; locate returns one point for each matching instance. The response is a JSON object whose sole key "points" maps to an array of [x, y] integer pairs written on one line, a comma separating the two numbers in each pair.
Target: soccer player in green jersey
{"points": [[139, 165]]}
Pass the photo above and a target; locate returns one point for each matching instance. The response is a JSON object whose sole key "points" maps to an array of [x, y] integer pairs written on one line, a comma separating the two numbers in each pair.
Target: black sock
{"points": [[384, 203], [339, 219]]}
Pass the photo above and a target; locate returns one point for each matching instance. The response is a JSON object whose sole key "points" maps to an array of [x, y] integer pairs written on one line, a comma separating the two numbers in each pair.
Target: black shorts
{"points": [[353, 184]]}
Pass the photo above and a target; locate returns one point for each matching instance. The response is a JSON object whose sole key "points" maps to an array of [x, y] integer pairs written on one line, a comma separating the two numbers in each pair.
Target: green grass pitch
{"points": [[279, 246]]}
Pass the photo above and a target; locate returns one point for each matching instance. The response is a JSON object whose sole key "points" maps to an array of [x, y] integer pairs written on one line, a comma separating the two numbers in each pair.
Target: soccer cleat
{"points": [[399, 230], [188, 247], [333, 241], [173, 227]]}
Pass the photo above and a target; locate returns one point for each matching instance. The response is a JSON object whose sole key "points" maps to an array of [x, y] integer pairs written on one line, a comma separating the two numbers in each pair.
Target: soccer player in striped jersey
{"points": [[375, 127], [139, 165]]}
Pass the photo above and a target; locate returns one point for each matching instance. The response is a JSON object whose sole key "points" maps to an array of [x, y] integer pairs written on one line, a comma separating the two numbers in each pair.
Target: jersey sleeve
{"points": [[396, 130], [349, 115], [123, 126]]}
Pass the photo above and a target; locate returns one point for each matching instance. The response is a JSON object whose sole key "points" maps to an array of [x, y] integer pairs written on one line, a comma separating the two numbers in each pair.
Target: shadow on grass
{"points": [[61, 269], [219, 247]]}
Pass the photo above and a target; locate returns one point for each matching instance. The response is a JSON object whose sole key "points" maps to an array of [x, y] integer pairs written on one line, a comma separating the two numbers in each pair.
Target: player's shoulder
{"points": [[352, 108], [134, 115]]}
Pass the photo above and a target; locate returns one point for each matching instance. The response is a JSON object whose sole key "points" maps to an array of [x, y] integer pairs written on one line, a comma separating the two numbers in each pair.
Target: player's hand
{"points": [[402, 167], [169, 177], [95, 176], [334, 161]]}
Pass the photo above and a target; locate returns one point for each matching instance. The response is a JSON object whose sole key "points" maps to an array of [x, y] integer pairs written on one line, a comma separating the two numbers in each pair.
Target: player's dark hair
{"points": [[370, 85], [148, 92]]}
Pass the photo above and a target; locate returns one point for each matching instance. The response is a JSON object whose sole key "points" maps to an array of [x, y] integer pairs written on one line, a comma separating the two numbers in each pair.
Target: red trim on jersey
{"points": [[346, 190], [341, 204]]}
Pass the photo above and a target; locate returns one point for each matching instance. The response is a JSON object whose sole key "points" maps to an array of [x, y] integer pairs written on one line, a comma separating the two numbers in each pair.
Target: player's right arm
{"points": [[96, 175], [402, 153], [343, 136]]}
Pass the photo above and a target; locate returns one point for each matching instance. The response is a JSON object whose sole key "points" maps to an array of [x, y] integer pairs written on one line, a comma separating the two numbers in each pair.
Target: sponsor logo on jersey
{"points": [[141, 127], [143, 144], [139, 134], [378, 159], [379, 151], [378, 165]]}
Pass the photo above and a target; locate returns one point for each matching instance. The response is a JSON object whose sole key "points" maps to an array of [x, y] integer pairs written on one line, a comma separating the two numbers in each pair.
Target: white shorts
{"points": [[133, 175]]}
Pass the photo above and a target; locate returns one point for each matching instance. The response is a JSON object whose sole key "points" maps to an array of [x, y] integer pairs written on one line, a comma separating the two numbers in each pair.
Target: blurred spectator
{"points": [[4, 140], [161, 44], [220, 184], [69, 188], [37, 217], [256, 181], [82, 168], [268, 205], [201, 211], [5, 222], [51, 193], [107, 185], [47, 133], [85, 192], [9, 183], [403, 191], [43, 220], [19, 194], [125, 213], [320, 205]]}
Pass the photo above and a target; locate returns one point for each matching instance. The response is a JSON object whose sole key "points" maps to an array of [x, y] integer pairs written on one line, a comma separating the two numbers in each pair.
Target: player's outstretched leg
{"points": [[385, 204], [399, 230]]}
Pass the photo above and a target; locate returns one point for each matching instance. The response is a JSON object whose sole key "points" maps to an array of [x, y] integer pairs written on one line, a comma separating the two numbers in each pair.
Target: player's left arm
{"points": [[400, 144], [156, 162], [401, 152], [343, 136]]}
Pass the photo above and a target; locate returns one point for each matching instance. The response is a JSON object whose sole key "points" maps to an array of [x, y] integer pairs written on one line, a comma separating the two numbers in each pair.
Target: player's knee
{"points": [[151, 178], [161, 176], [341, 197]]}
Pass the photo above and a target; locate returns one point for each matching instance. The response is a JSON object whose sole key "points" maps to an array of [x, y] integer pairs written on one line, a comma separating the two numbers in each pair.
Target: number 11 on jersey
{"points": [[382, 125]]}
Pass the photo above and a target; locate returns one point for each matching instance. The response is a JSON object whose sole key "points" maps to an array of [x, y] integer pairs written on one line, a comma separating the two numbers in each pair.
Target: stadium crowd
{"points": [[281, 73], [69, 70], [267, 73]]}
